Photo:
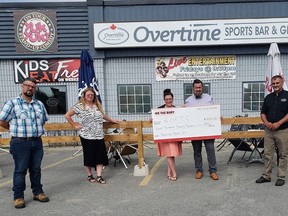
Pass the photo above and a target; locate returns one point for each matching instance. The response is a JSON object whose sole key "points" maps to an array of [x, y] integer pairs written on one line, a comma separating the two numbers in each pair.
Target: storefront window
{"points": [[188, 89], [253, 96], [134, 99], [53, 97]]}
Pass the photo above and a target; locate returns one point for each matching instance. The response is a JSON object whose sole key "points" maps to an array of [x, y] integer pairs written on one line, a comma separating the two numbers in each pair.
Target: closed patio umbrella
{"points": [[274, 67], [87, 74]]}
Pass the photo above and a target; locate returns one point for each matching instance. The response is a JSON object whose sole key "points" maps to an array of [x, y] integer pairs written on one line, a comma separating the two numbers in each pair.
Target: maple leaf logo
{"points": [[113, 27]]}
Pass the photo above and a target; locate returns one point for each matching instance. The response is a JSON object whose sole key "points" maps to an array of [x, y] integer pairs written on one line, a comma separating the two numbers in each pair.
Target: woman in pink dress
{"points": [[170, 150]]}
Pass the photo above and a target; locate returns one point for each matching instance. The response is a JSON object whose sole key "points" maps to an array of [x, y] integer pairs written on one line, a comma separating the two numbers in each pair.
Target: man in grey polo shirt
{"points": [[199, 99]]}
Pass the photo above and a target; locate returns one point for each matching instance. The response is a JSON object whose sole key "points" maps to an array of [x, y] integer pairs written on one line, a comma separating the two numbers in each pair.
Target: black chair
{"points": [[256, 155], [234, 127], [222, 144], [260, 145], [121, 150], [240, 145]]}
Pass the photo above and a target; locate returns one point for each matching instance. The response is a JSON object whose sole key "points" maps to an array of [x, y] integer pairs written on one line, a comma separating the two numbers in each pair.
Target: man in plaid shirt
{"points": [[25, 117]]}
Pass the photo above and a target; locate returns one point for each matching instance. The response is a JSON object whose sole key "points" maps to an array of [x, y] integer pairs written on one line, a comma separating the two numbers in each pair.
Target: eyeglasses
{"points": [[90, 95], [29, 86]]}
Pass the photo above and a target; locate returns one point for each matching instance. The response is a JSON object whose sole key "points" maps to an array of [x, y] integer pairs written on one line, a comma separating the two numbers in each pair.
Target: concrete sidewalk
{"points": [[65, 182]]}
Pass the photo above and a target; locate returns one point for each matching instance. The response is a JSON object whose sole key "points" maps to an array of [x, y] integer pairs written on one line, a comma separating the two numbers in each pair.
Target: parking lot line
{"points": [[44, 168], [5, 183], [3, 153], [62, 161], [147, 179]]}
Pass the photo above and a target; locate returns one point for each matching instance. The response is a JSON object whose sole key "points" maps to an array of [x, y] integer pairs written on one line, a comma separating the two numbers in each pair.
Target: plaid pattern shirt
{"points": [[25, 119]]}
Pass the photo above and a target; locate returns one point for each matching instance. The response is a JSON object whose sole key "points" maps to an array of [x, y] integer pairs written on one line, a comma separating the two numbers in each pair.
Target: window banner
{"points": [[191, 68], [47, 71], [35, 31]]}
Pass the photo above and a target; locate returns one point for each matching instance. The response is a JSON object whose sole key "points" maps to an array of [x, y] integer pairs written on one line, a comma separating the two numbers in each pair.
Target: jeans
{"points": [[210, 150], [27, 154]]}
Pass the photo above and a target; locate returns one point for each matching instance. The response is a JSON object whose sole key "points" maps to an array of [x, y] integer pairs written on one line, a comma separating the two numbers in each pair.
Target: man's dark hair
{"points": [[30, 79], [277, 77], [196, 81]]}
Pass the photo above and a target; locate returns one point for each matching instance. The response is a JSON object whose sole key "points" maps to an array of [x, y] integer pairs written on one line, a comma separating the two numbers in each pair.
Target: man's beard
{"points": [[28, 94], [198, 94]]}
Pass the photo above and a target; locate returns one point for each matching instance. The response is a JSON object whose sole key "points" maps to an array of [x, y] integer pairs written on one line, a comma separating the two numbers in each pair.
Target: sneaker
{"points": [[19, 203], [41, 198], [199, 175], [262, 180], [214, 176], [280, 182]]}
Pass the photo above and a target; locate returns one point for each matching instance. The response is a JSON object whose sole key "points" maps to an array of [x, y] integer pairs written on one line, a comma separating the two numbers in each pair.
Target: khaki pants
{"points": [[273, 139]]}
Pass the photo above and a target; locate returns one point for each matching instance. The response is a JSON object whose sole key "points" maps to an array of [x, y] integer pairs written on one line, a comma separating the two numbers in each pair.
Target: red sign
{"points": [[45, 71]]}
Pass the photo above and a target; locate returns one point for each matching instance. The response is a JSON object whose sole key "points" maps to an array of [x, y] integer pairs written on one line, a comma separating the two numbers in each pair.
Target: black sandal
{"points": [[91, 179], [100, 180]]}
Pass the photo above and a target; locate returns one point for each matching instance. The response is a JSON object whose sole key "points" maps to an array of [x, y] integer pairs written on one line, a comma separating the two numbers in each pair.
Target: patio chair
{"points": [[256, 155], [129, 147], [234, 127], [260, 145], [222, 144], [240, 145], [121, 151]]}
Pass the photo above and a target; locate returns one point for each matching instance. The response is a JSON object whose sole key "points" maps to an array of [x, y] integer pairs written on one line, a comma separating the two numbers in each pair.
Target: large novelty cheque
{"points": [[186, 123]]}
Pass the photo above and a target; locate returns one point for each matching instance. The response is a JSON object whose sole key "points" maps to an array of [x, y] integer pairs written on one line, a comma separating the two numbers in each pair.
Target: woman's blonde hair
{"points": [[95, 100]]}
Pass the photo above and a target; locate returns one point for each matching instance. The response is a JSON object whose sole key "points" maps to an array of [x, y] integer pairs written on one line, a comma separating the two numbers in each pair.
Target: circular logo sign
{"points": [[36, 31], [52, 102]]}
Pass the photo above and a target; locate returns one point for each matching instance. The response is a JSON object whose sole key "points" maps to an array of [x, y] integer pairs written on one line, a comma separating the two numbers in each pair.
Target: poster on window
{"points": [[36, 31], [53, 97], [195, 67], [47, 70]]}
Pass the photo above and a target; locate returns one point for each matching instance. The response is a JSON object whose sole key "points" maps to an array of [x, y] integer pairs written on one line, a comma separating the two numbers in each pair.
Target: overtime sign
{"points": [[186, 123]]}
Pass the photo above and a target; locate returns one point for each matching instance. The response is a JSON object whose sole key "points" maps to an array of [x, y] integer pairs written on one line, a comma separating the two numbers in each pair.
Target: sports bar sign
{"points": [[190, 33]]}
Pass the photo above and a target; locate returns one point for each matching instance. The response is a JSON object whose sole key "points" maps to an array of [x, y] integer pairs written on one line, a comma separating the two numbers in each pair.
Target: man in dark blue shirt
{"points": [[274, 114]]}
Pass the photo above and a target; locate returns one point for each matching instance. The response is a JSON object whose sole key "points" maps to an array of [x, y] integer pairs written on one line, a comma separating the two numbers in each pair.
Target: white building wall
{"points": [[227, 93], [114, 71]]}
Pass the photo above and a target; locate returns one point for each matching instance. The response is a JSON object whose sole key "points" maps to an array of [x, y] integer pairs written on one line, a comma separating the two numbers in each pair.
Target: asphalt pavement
{"points": [[65, 182]]}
